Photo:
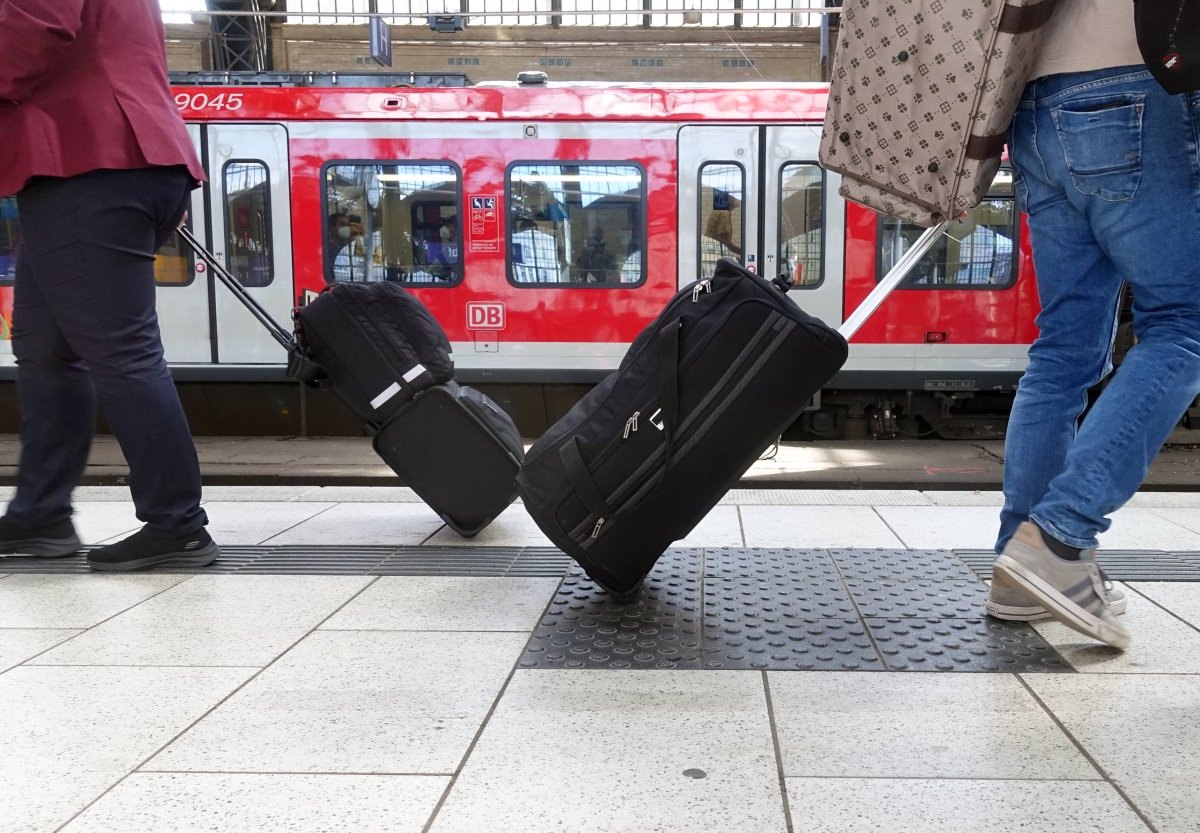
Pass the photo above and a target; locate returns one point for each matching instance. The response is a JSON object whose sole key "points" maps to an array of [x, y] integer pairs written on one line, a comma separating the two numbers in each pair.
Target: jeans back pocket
{"points": [[1102, 143]]}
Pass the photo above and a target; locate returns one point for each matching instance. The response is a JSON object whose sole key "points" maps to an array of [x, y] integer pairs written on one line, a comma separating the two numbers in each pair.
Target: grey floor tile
{"points": [[1179, 598], [68, 734], [821, 645], [352, 524], [212, 620], [851, 805], [425, 603], [243, 523], [1161, 643], [917, 726], [47, 601], [924, 599], [16, 646], [979, 644], [901, 565], [602, 752], [1142, 730], [220, 803], [357, 702]]}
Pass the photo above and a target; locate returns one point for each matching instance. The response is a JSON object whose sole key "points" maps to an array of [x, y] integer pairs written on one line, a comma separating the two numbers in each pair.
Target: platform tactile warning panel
{"points": [[979, 644], [1118, 565]]}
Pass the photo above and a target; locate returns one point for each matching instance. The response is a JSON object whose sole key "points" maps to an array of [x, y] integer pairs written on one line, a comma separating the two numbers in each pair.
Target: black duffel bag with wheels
{"points": [[377, 345], [702, 392]]}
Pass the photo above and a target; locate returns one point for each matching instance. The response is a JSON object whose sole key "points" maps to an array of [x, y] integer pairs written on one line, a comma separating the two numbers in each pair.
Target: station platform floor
{"points": [[350, 664]]}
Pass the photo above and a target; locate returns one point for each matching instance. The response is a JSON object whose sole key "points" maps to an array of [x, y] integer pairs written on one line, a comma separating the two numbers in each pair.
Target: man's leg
{"points": [[58, 410], [103, 229]]}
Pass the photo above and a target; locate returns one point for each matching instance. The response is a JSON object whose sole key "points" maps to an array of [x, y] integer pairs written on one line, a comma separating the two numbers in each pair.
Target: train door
{"points": [[757, 194], [249, 229]]}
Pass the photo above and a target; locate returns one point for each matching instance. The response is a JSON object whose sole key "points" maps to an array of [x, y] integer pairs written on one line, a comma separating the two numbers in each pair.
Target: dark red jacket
{"points": [[83, 86]]}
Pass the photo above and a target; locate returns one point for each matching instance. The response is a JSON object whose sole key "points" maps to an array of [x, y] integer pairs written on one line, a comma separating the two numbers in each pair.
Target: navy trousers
{"points": [[85, 330]]}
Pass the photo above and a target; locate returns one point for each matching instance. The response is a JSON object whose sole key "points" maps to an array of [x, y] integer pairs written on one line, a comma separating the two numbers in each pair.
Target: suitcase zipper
{"points": [[704, 286], [630, 425]]}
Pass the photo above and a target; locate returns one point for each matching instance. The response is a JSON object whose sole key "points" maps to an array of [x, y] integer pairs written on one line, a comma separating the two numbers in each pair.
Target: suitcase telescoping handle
{"points": [[898, 273], [235, 286]]}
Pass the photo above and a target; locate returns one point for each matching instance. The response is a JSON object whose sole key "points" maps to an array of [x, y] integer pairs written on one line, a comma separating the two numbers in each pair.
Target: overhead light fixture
{"points": [[691, 17], [447, 23]]}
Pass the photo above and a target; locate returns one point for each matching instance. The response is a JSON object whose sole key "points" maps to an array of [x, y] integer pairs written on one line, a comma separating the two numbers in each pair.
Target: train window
{"points": [[392, 221], [722, 229], [576, 225], [248, 253], [10, 232], [977, 252], [175, 263], [802, 223]]}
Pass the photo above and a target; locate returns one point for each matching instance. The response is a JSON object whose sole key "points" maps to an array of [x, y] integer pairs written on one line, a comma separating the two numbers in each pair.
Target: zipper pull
{"points": [[596, 529], [704, 286], [630, 425]]}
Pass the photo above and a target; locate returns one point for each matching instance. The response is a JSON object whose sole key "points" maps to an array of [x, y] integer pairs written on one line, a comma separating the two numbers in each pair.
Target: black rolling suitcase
{"points": [[703, 391], [452, 445], [458, 450]]}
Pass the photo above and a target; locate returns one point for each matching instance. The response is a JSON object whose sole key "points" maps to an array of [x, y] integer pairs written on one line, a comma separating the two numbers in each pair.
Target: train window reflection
{"points": [[976, 252], [393, 221], [722, 228], [248, 223], [576, 225], [10, 233], [801, 223]]}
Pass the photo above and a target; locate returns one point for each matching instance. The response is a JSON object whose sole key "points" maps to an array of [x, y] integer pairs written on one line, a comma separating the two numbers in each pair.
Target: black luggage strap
{"points": [[668, 396]]}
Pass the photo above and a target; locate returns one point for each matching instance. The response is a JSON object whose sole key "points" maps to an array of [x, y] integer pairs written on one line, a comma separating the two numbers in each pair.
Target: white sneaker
{"points": [[1073, 592], [1011, 603]]}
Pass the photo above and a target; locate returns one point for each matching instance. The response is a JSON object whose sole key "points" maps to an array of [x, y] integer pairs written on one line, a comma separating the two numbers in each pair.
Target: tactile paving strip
{"points": [[978, 644], [1119, 565], [584, 628], [934, 565], [920, 598]]}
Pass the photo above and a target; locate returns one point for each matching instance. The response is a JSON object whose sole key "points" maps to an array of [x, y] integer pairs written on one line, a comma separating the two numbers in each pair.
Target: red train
{"points": [[545, 225]]}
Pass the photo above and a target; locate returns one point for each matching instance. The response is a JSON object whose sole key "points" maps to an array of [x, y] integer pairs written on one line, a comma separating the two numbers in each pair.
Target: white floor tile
{"points": [[433, 603], [1145, 529], [609, 752], [1143, 731], [512, 528], [74, 601], [825, 497], [356, 701], [68, 734], [1180, 598], [256, 494], [917, 726], [16, 646], [1188, 518], [1161, 643], [218, 803], [100, 522], [360, 524], [943, 527], [231, 522], [213, 620], [722, 527], [837, 805], [959, 498], [810, 527], [1161, 500]]}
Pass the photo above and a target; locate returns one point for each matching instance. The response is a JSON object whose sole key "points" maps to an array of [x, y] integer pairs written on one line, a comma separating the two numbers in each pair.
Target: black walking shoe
{"points": [[49, 541], [141, 550]]}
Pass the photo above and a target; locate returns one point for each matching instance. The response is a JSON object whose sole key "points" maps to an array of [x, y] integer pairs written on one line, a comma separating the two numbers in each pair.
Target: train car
{"points": [[545, 225]]}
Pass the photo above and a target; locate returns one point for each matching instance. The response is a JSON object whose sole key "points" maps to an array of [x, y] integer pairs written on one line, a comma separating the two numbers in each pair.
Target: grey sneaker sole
{"points": [[1036, 613], [194, 558], [1059, 606], [43, 548]]}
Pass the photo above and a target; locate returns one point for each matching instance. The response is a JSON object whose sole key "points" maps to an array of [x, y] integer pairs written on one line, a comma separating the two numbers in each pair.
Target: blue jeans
{"points": [[1107, 166]]}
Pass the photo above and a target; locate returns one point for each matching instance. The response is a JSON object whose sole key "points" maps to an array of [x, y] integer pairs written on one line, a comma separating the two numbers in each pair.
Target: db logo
{"points": [[485, 316]]}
